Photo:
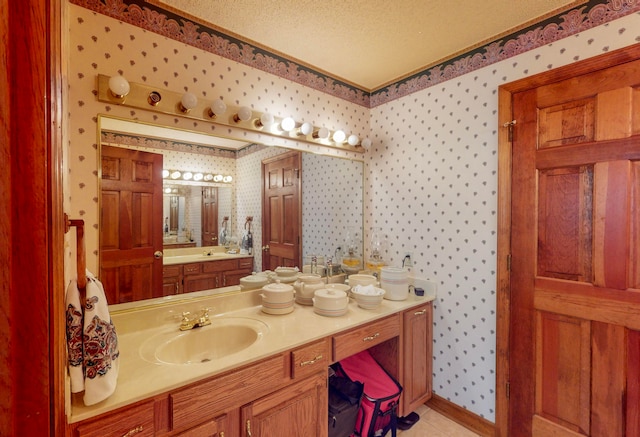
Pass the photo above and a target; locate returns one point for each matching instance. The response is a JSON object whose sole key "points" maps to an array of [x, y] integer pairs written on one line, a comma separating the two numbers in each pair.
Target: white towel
{"points": [[92, 343]]}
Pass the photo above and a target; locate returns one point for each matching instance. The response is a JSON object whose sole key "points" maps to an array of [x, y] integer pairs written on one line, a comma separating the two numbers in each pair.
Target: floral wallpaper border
{"points": [[168, 24]]}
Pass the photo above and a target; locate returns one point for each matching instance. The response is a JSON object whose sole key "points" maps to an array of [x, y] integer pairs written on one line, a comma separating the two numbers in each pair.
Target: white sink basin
{"points": [[224, 337]]}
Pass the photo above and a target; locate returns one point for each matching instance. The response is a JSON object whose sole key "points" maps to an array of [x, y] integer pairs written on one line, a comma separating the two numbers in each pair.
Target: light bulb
{"points": [[165, 174], [167, 190], [119, 86], [217, 178], [208, 177], [176, 175], [306, 129], [218, 107], [188, 102], [265, 120], [187, 176], [198, 177], [227, 179], [339, 136], [322, 133], [243, 114], [366, 143], [287, 124], [353, 140]]}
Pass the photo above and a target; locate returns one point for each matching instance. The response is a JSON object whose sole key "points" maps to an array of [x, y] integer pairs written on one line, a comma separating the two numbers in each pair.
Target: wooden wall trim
{"points": [[461, 416]]}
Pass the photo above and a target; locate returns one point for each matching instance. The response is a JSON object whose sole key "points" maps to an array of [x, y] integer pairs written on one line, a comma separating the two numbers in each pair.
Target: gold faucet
{"points": [[188, 323]]}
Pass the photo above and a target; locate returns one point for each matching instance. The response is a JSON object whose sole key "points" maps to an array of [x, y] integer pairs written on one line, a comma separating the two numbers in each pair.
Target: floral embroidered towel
{"points": [[92, 343]]}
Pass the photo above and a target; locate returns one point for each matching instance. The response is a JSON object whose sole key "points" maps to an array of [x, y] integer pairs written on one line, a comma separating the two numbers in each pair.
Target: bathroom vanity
{"points": [[188, 270], [278, 382]]}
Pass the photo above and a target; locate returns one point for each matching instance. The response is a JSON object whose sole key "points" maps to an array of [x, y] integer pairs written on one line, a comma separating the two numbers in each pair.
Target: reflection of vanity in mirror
{"points": [[331, 202]]}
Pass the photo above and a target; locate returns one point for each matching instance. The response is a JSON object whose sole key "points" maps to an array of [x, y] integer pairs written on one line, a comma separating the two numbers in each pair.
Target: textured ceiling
{"points": [[368, 43]]}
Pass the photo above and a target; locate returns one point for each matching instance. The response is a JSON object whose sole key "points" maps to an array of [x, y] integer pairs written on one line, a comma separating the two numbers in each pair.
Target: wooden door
{"points": [[130, 224], [281, 211], [575, 256], [209, 216]]}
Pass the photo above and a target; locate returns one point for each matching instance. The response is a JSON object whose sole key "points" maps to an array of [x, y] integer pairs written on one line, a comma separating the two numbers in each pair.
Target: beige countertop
{"points": [[140, 378], [198, 254]]}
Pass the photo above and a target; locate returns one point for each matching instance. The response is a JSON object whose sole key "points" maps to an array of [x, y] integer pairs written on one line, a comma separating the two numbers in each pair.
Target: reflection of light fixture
{"points": [[339, 136], [208, 177], [227, 179], [167, 190], [175, 174], [265, 119], [287, 124], [217, 178], [119, 86], [306, 129], [366, 143], [198, 177], [243, 114], [353, 140], [322, 133], [165, 174], [188, 102], [187, 176], [218, 107]]}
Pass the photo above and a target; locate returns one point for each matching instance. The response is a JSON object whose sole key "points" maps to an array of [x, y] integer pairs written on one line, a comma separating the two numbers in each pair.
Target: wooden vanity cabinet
{"points": [[171, 280], [417, 357], [205, 275]]}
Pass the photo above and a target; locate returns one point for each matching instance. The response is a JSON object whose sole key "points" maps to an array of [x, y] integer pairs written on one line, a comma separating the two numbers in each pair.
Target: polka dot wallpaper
{"points": [[432, 185], [430, 176]]}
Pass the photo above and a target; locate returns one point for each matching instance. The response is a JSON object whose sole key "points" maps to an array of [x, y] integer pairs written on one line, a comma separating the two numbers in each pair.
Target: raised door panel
{"points": [[417, 357], [300, 409]]}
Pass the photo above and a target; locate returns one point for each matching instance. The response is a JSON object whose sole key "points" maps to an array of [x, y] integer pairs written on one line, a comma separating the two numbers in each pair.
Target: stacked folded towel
{"points": [[92, 342]]}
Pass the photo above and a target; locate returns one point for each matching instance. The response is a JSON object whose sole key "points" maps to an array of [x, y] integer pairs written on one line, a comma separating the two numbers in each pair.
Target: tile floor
{"points": [[434, 424]]}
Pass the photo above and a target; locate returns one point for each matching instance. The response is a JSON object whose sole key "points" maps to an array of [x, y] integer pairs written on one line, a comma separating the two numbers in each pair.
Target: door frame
{"points": [[503, 285]]}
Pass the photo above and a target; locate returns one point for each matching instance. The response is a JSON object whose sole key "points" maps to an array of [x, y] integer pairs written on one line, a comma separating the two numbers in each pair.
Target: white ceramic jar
{"points": [[330, 302], [395, 282], [305, 287], [277, 298]]}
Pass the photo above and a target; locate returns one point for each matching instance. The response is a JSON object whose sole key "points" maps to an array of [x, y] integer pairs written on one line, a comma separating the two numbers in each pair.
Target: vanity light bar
{"points": [[195, 176], [149, 98]]}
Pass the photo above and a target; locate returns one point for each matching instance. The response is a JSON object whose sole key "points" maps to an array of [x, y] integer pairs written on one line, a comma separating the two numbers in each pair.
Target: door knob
{"points": [[157, 254]]}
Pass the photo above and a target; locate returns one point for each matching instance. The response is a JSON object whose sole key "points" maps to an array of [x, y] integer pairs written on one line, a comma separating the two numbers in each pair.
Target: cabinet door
{"points": [[417, 357], [218, 427], [300, 409], [233, 277], [201, 282]]}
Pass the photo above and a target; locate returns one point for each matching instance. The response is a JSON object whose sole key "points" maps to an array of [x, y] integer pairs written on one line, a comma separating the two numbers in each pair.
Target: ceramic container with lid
{"points": [[254, 281], [277, 298], [287, 274], [330, 302], [306, 286]]}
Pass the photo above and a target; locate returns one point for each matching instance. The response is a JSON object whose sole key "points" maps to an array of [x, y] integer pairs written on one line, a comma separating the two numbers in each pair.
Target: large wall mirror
{"points": [[331, 188]]}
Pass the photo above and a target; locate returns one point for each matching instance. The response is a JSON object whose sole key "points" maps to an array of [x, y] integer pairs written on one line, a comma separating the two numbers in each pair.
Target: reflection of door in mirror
{"points": [[282, 211], [130, 237], [173, 214], [209, 216]]}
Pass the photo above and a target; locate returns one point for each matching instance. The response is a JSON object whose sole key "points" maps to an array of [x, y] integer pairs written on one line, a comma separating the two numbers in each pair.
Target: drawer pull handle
{"points": [[248, 428], [134, 431], [313, 361], [419, 313], [371, 337]]}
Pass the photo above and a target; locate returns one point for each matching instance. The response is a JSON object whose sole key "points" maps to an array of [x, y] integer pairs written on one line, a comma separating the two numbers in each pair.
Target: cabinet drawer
{"points": [[219, 266], [364, 337], [245, 263], [214, 396], [131, 421], [310, 359], [192, 269], [171, 271]]}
